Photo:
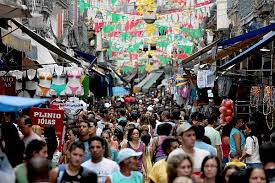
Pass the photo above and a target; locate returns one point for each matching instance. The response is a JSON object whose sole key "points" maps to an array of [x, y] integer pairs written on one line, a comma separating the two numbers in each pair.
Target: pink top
{"points": [[225, 148]]}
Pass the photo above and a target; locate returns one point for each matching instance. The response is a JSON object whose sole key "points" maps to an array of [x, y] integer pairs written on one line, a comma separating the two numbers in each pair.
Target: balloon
{"points": [[229, 104], [228, 112], [222, 109], [228, 119], [222, 118]]}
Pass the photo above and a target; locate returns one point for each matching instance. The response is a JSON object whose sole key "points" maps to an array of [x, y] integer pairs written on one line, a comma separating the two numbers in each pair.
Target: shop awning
{"points": [[248, 35], [44, 56], [15, 41], [132, 76], [86, 56], [199, 53], [239, 58], [14, 104], [45, 43], [152, 80], [13, 10], [120, 91], [230, 50]]}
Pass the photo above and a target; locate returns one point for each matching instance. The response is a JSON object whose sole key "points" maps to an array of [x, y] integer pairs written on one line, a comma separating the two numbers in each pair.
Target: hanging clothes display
{"points": [[31, 82], [45, 79], [205, 78], [59, 81], [74, 86], [224, 85]]}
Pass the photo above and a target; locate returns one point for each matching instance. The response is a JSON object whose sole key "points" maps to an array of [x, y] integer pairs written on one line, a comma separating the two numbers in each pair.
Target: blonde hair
{"points": [[173, 163], [37, 129]]}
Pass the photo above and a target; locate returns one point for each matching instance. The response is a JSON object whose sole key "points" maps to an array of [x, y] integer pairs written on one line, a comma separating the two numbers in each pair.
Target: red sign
{"points": [[7, 85], [44, 117]]}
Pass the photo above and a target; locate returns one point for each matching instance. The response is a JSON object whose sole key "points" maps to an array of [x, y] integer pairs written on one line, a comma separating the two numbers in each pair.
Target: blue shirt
{"points": [[135, 177], [87, 153], [233, 148], [207, 147]]}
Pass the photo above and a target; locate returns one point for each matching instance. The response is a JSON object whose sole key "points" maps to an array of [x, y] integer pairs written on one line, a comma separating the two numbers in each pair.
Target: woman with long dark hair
{"points": [[251, 148], [50, 138], [135, 143], [13, 146], [211, 169]]}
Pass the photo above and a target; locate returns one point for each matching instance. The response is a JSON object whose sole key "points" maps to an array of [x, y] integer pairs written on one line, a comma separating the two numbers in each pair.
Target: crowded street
{"points": [[137, 91]]}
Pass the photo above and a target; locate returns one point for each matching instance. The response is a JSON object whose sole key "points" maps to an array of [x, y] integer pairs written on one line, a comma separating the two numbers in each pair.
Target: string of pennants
{"points": [[173, 30]]}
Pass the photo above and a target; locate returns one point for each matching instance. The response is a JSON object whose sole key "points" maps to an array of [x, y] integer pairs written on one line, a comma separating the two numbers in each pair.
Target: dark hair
{"points": [[228, 168], [253, 127], [26, 120], [99, 139], [94, 122], [76, 144], [249, 171], [267, 152], [166, 144], [130, 132], [50, 137], [103, 111], [122, 112], [211, 120], [226, 130], [85, 121], [164, 129], [34, 147], [176, 114], [199, 131], [146, 139], [218, 176], [238, 176], [14, 146]]}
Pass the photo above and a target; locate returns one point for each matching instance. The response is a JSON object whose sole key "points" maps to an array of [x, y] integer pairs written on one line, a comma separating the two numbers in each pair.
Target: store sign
{"points": [[8, 85], [44, 117]]}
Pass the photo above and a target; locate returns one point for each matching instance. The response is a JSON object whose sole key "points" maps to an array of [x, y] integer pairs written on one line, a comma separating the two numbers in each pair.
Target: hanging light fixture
{"points": [[150, 17]]}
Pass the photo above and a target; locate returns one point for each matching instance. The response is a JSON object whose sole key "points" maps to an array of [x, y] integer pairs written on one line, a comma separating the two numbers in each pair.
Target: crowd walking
{"points": [[134, 142]]}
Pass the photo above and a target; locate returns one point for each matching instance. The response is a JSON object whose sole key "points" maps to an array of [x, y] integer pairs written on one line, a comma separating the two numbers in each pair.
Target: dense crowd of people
{"points": [[149, 140]]}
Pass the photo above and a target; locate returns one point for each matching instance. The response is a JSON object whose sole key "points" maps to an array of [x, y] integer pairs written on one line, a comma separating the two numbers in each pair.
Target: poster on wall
{"points": [[8, 85], [44, 117]]}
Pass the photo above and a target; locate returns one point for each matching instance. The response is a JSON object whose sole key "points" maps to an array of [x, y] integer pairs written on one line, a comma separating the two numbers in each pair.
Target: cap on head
{"points": [[127, 153], [183, 128]]}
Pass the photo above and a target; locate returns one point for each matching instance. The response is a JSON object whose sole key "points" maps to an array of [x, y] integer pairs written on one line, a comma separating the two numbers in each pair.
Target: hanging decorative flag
{"points": [[186, 48], [83, 5], [126, 69], [150, 29], [164, 60]]}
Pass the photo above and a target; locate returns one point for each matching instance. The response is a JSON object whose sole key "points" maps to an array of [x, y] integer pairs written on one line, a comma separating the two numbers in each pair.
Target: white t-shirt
{"points": [[102, 169], [251, 147], [213, 135], [33, 136], [198, 157]]}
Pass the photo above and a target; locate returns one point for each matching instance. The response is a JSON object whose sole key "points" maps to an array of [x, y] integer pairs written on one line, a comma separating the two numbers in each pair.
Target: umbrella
{"points": [[120, 91], [13, 103]]}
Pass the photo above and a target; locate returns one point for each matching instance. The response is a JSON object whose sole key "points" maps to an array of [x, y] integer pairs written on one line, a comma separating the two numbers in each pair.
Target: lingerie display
{"points": [[31, 82], [58, 85], [74, 86], [50, 81], [45, 80]]}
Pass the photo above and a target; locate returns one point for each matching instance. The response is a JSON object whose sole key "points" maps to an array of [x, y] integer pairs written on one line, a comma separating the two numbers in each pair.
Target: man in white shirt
{"points": [[187, 137], [214, 136], [98, 164], [25, 126]]}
